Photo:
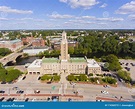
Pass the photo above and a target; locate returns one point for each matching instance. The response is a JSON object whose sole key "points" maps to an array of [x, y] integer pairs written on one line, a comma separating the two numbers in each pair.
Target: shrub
{"points": [[93, 80], [71, 77], [109, 80], [56, 78], [91, 74], [46, 77], [82, 77]]}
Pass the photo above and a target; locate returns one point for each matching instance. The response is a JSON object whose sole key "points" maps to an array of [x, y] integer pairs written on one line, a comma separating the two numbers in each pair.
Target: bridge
{"points": [[10, 58], [13, 56]]}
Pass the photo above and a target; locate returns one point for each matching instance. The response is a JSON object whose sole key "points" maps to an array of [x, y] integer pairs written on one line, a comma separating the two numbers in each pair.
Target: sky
{"points": [[67, 14]]}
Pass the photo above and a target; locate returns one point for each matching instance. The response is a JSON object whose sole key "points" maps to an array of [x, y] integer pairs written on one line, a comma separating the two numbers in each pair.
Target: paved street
{"points": [[89, 91]]}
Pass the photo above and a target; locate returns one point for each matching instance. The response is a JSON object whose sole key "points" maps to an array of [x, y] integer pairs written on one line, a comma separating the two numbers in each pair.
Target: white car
{"points": [[104, 92], [34, 99]]}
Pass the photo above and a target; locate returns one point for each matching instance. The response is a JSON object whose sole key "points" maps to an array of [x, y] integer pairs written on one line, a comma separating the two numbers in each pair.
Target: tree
{"points": [[133, 48], [125, 47], [109, 80], [124, 75], [71, 50], [113, 61], [4, 51]]}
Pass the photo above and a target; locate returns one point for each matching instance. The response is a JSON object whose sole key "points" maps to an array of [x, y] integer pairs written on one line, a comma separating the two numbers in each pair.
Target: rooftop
{"points": [[92, 63], [36, 63], [10, 41], [50, 60], [77, 60], [15, 41]]}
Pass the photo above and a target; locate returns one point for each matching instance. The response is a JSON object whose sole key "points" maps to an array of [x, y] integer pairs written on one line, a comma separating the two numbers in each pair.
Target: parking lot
{"points": [[129, 65]]}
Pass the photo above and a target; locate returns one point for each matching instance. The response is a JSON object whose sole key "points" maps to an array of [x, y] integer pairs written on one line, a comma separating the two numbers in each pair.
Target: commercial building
{"points": [[64, 64], [28, 39], [38, 42], [57, 46], [13, 45], [35, 50]]}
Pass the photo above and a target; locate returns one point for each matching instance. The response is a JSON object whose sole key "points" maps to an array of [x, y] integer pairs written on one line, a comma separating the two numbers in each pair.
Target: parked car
{"points": [[55, 97], [121, 80], [104, 92], [36, 91], [49, 82], [10, 82], [126, 64], [39, 78], [15, 88], [69, 99], [2, 98], [34, 99], [106, 86], [24, 78], [48, 99], [3, 82], [27, 99], [12, 99], [20, 92], [128, 69], [2, 91], [9, 99], [132, 64]]}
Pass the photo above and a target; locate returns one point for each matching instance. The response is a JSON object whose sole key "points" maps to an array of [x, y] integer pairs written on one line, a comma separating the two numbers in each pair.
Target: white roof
{"points": [[36, 63], [92, 63]]}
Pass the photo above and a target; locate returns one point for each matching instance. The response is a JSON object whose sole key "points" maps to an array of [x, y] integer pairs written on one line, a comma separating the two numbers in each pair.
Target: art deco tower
{"points": [[64, 47]]}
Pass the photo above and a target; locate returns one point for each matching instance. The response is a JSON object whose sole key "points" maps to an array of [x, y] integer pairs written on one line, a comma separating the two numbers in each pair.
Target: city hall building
{"points": [[64, 64]]}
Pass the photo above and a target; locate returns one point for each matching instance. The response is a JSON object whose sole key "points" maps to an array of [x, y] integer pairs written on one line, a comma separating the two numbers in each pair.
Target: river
{"points": [[26, 60]]}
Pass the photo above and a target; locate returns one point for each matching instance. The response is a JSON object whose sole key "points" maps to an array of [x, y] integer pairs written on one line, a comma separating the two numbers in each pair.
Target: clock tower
{"points": [[64, 48]]}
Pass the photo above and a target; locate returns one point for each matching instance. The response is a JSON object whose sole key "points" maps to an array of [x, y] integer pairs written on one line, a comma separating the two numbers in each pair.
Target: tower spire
{"points": [[64, 47]]}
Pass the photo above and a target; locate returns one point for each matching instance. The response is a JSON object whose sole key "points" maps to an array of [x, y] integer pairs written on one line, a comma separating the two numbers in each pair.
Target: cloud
{"points": [[131, 17], [59, 16], [3, 19], [86, 4], [103, 6], [127, 8], [64, 1], [112, 19], [88, 17], [16, 11]]}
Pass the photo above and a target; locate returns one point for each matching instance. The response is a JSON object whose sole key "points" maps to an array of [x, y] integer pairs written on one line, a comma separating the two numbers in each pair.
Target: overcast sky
{"points": [[67, 14]]}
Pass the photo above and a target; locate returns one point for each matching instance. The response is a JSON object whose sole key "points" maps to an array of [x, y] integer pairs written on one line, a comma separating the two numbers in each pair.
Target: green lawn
{"points": [[10, 74], [10, 68]]}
